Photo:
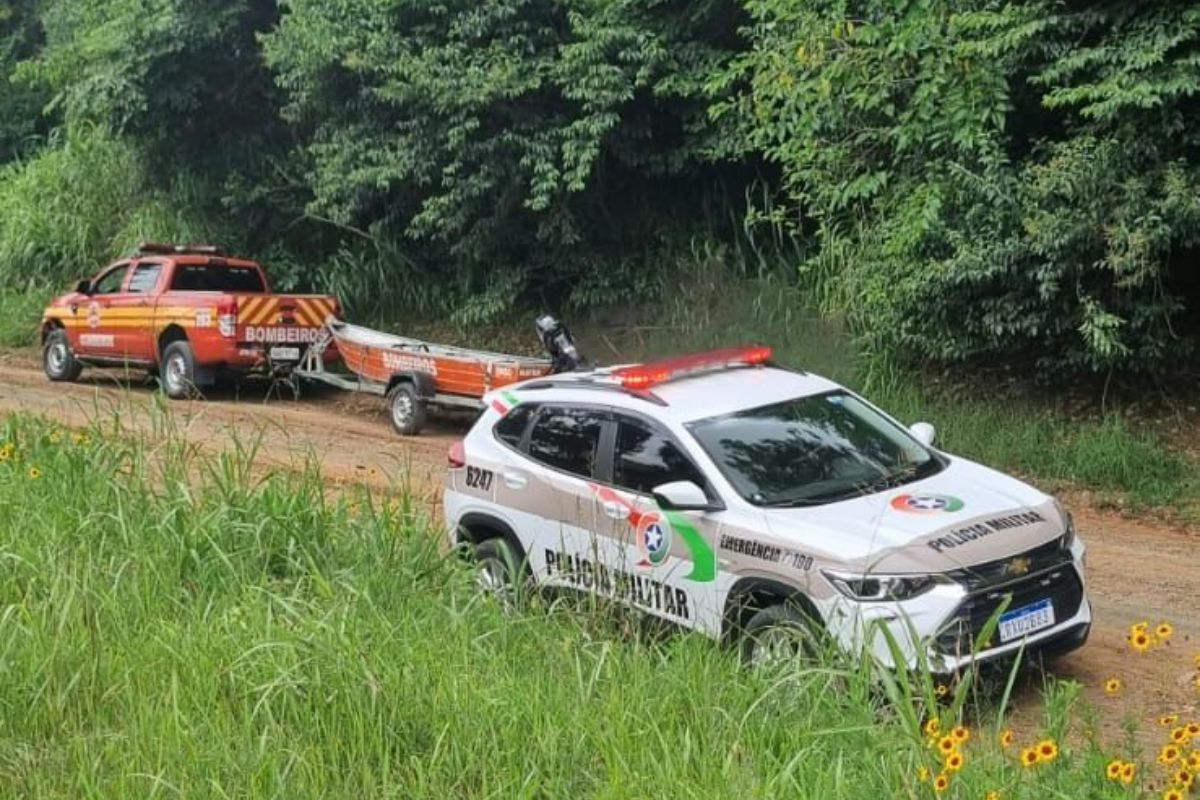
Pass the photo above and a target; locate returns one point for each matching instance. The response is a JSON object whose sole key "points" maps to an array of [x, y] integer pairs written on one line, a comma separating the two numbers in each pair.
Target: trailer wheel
{"points": [[407, 410]]}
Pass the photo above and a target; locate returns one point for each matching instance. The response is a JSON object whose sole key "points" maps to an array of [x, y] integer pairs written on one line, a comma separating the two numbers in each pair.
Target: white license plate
{"points": [[1026, 620], [285, 353]]}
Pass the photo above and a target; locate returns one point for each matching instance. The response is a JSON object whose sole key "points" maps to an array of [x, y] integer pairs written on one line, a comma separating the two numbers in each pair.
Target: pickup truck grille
{"points": [[1058, 582]]}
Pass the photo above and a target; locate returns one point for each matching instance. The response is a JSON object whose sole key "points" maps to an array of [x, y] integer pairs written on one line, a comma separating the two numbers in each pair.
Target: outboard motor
{"points": [[558, 343]]}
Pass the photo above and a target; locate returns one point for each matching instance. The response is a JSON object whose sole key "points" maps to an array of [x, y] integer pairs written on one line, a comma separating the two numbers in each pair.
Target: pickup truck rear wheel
{"points": [[779, 635], [58, 361], [179, 371], [406, 409]]}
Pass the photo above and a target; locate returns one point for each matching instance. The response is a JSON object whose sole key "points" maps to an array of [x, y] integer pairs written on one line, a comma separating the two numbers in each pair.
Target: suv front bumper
{"points": [[944, 624]]}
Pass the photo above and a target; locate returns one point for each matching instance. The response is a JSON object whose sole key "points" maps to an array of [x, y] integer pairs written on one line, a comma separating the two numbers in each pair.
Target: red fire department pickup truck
{"points": [[188, 312]]}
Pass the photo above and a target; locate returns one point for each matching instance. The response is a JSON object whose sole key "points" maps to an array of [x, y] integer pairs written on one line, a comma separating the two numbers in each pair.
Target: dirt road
{"points": [[1139, 570]]}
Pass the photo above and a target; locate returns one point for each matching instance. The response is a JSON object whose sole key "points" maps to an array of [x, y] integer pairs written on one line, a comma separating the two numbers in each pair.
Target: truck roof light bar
{"points": [[159, 248]]}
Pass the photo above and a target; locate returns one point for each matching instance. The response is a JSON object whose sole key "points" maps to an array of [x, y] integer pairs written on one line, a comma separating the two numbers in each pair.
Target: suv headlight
{"points": [[871, 587], [1068, 538]]}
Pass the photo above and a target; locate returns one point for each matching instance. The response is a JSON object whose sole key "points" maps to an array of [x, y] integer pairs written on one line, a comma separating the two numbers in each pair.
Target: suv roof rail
{"points": [[159, 248]]}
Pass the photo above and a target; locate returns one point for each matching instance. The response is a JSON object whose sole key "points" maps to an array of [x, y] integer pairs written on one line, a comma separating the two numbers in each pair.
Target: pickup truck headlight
{"points": [[871, 587]]}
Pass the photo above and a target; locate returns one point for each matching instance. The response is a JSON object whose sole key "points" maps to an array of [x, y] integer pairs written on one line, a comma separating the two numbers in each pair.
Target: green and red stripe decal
{"points": [[505, 402]]}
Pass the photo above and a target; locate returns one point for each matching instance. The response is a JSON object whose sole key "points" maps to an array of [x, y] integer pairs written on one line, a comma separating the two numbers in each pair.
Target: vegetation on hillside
{"points": [[964, 180]]}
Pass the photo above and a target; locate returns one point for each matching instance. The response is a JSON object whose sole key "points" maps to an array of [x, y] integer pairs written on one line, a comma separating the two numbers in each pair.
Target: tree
{"points": [[20, 105], [515, 143], [1006, 179]]}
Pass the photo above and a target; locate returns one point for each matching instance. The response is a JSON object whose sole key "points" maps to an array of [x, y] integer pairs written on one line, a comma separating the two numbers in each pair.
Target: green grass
{"points": [[20, 312], [192, 630]]}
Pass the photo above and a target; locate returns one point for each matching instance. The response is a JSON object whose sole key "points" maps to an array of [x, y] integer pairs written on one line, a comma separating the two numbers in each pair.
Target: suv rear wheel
{"points": [[58, 361], [498, 570], [778, 635]]}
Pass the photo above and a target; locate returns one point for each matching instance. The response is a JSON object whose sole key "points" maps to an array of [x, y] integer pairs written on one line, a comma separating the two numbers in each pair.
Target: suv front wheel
{"points": [[778, 635]]}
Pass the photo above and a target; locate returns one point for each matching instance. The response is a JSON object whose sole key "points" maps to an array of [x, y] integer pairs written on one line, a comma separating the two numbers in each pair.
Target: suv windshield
{"points": [[812, 450]]}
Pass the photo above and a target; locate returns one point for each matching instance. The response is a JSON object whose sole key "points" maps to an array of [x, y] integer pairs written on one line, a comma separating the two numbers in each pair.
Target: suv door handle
{"points": [[515, 480], [615, 510]]}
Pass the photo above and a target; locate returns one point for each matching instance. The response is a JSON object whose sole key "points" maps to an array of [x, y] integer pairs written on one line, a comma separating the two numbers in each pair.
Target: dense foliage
{"points": [[531, 141], [964, 180], [983, 179]]}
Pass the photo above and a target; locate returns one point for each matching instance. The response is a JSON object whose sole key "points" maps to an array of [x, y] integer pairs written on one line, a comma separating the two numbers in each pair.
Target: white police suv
{"points": [[761, 505]]}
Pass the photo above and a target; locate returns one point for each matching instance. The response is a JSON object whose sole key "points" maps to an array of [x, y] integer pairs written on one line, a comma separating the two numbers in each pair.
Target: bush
{"points": [[981, 181], [84, 201]]}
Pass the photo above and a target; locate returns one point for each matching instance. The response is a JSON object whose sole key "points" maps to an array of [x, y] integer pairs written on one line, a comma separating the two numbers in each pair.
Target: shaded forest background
{"points": [[959, 180]]}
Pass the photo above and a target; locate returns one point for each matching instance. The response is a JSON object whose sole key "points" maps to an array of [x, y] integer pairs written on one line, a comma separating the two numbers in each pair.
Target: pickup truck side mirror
{"points": [[683, 496], [84, 287]]}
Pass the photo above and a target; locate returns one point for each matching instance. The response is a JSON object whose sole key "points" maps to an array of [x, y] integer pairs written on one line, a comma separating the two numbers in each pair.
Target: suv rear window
{"points": [[510, 429], [215, 278], [567, 439]]}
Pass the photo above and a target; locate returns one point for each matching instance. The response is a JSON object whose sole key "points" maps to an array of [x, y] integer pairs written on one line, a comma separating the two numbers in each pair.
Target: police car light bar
{"points": [[643, 376]]}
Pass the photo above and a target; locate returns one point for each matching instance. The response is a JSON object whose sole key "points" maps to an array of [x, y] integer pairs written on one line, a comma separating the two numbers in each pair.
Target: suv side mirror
{"points": [[84, 287], [682, 496], [923, 432]]}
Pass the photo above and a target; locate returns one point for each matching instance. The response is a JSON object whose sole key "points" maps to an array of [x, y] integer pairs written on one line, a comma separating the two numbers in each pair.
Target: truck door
{"points": [[134, 311], [100, 331]]}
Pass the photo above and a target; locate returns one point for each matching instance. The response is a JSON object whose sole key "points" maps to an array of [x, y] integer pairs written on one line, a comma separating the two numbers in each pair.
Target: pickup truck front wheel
{"points": [[58, 361], [179, 371]]}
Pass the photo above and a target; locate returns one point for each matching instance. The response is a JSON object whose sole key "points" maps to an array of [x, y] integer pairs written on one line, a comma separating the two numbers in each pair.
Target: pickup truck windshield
{"points": [[812, 450], [215, 278]]}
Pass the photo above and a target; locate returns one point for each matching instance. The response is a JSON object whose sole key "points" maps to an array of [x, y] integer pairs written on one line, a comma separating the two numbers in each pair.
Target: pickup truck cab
{"points": [[188, 312]]}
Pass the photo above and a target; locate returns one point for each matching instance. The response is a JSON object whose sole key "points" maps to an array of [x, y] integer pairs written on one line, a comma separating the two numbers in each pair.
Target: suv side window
{"points": [[511, 429], [145, 278], [567, 439], [647, 457], [110, 282]]}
